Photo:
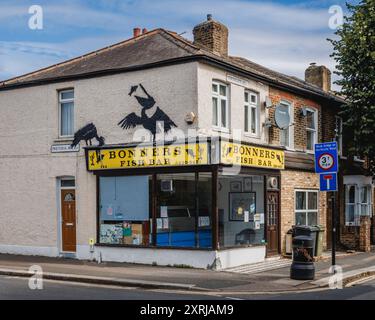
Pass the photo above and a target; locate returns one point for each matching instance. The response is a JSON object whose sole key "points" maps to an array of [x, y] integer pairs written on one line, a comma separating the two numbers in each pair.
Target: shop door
{"points": [[68, 220], [273, 213]]}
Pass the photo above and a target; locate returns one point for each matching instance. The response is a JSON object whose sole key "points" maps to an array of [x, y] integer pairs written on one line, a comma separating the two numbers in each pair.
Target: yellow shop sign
{"points": [[146, 157], [250, 156]]}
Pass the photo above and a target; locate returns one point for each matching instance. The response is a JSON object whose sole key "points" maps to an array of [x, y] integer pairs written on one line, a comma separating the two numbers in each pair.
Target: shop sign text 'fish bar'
{"points": [[147, 157], [250, 156]]}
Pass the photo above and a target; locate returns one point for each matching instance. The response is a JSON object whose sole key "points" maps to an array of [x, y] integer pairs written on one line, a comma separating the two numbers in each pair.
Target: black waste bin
{"points": [[303, 255], [309, 231]]}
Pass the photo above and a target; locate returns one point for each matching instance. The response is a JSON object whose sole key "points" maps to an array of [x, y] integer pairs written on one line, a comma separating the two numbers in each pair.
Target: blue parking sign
{"points": [[326, 157], [328, 181]]}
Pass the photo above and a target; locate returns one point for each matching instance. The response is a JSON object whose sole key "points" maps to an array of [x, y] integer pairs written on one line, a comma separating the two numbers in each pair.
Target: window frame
{"points": [[314, 131], [307, 210], [250, 106], [339, 135], [220, 98], [60, 102], [357, 203]]}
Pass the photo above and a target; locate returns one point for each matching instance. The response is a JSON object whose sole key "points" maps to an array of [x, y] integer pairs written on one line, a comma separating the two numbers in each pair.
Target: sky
{"points": [[284, 35]]}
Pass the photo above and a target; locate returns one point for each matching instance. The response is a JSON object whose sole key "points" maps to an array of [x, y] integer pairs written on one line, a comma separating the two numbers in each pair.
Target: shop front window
{"points": [[125, 210], [241, 210], [184, 202]]}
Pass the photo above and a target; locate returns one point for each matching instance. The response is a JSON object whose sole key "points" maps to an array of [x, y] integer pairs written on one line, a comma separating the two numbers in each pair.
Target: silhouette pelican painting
{"points": [[87, 133], [149, 123]]}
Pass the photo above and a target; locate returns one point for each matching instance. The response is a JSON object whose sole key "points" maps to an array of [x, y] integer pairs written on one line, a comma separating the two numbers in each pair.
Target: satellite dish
{"points": [[282, 116]]}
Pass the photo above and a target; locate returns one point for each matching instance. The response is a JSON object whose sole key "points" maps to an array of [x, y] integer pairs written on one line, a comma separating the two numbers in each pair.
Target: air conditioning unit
{"points": [[273, 183], [166, 185]]}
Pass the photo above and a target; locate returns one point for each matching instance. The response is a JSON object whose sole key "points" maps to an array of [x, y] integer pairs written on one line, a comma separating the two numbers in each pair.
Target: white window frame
{"points": [[61, 101], [220, 98], [357, 203], [251, 106], [339, 138], [314, 131], [306, 211], [290, 145]]}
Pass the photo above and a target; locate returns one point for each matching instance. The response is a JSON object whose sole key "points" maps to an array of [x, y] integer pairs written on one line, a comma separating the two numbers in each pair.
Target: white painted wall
{"points": [[29, 219], [29, 127], [206, 75]]}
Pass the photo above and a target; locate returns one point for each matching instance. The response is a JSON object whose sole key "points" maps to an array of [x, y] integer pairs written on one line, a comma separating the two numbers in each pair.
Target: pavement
{"points": [[354, 266]]}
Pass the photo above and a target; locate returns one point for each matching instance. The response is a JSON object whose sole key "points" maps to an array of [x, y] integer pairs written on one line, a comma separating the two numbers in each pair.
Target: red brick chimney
{"points": [[136, 32], [212, 35], [319, 76]]}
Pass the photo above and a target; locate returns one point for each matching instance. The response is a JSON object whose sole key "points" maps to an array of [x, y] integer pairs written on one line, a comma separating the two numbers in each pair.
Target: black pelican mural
{"points": [[87, 133], [150, 123]]}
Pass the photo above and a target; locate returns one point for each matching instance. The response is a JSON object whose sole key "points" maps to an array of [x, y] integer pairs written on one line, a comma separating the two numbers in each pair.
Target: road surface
{"points": [[18, 288]]}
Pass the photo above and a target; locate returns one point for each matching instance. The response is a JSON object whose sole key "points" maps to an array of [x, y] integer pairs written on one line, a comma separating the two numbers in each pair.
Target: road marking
{"points": [[233, 298]]}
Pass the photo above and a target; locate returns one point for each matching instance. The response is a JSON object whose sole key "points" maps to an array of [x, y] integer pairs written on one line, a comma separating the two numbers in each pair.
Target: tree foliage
{"points": [[354, 52]]}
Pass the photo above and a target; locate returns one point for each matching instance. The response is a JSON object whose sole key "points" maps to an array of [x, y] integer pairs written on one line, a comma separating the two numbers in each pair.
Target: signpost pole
{"points": [[333, 232], [327, 165]]}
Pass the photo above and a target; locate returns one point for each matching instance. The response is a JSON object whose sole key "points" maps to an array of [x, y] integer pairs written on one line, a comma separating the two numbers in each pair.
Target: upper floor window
{"points": [[338, 135], [285, 134], [311, 129], [66, 113], [220, 109], [251, 113]]}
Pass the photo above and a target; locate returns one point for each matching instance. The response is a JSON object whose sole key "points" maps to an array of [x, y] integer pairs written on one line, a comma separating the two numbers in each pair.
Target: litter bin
{"points": [[309, 231], [319, 241], [303, 255], [289, 242]]}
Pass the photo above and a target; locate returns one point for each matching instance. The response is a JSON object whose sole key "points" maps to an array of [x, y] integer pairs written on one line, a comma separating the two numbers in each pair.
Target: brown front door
{"points": [[273, 213], [68, 220]]}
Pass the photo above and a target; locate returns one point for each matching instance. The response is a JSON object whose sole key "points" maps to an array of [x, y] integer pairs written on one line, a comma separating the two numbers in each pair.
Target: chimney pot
{"points": [[144, 30], [136, 32]]}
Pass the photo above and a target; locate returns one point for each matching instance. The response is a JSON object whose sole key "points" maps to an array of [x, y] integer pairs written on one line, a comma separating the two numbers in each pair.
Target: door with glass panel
{"points": [[273, 213], [68, 221]]}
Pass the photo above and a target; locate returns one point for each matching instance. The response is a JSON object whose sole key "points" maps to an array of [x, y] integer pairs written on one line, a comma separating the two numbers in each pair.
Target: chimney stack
{"points": [[136, 32], [212, 35], [144, 30], [319, 76]]}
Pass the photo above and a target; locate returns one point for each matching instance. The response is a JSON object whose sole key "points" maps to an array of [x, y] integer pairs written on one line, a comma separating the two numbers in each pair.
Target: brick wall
{"points": [[212, 35], [299, 127], [290, 182]]}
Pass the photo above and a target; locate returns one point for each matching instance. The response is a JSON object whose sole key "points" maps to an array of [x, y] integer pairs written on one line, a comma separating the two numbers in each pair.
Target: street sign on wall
{"points": [[328, 181], [326, 157]]}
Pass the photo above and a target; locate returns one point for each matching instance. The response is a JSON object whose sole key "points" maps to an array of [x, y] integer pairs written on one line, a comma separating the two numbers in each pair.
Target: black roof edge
{"points": [[186, 59]]}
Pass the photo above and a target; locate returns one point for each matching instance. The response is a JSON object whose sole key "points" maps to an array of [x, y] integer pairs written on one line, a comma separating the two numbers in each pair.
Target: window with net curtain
{"points": [[66, 103]]}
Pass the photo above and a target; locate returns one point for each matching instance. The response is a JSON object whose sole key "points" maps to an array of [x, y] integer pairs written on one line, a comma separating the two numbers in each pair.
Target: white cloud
{"points": [[283, 37]]}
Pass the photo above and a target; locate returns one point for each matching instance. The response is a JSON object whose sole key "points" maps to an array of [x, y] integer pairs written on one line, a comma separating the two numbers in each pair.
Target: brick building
{"points": [[217, 185]]}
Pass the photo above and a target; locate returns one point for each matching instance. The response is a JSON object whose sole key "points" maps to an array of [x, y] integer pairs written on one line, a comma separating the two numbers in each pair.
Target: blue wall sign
{"points": [[328, 182], [326, 157]]}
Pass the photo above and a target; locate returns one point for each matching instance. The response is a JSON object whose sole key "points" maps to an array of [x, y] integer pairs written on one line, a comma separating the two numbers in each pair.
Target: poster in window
{"points": [[239, 202], [247, 184], [236, 186]]}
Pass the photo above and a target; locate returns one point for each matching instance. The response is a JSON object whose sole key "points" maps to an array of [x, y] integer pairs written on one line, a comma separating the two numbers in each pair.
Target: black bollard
{"points": [[303, 254]]}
